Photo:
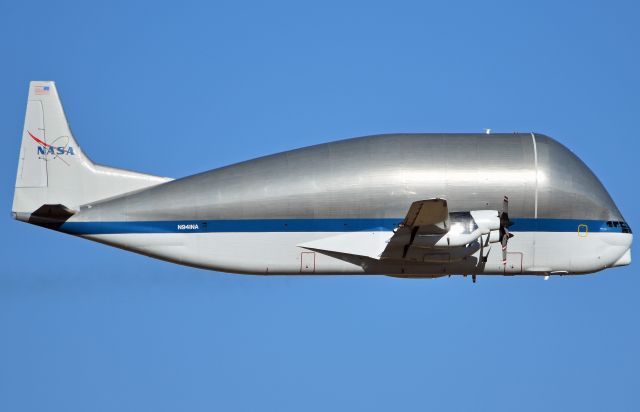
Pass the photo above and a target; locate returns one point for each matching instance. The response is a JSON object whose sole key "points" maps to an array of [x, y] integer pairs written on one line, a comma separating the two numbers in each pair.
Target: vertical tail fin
{"points": [[53, 169]]}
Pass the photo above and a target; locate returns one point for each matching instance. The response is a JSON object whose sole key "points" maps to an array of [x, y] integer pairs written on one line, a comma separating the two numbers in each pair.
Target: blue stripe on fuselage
{"points": [[308, 225]]}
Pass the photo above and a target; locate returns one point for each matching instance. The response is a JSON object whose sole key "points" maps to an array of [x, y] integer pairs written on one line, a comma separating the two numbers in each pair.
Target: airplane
{"points": [[401, 205]]}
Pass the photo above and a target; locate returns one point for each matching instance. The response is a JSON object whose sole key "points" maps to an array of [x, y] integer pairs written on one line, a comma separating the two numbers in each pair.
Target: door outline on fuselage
{"points": [[307, 262], [517, 261]]}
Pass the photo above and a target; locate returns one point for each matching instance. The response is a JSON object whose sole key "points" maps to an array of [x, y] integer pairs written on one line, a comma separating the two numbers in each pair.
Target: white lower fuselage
{"points": [[538, 253]]}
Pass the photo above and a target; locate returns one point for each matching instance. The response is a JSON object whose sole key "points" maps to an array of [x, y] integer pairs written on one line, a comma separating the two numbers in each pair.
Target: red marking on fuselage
{"points": [[37, 140]]}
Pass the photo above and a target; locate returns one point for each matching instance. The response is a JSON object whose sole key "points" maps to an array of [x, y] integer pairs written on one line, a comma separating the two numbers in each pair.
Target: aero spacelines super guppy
{"points": [[406, 205]]}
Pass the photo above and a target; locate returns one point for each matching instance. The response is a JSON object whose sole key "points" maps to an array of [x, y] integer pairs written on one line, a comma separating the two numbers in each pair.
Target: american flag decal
{"points": [[40, 90]]}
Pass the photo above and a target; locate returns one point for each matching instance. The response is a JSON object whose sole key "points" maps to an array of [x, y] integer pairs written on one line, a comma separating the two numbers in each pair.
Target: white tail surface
{"points": [[53, 169]]}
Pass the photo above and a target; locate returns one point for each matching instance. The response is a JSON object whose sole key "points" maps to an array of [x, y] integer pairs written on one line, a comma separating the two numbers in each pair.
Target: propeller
{"points": [[505, 223], [484, 242]]}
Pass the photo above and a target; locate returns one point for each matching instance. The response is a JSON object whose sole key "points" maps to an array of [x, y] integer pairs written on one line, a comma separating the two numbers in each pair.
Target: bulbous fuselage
{"points": [[266, 207]]}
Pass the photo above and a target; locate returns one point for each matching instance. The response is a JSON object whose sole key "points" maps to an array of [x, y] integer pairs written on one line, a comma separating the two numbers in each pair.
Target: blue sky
{"points": [[175, 90]]}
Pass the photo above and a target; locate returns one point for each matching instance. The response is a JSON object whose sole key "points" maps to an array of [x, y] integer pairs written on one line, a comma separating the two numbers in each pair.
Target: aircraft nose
{"points": [[624, 260], [621, 243]]}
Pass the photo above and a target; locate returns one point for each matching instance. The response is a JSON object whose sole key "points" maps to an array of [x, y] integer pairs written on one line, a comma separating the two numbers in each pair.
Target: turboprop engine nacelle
{"points": [[486, 219], [489, 220], [465, 228]]}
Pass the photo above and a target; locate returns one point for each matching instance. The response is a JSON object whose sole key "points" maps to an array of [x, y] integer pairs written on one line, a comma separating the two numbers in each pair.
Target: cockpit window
{"points": [[624, 227]]}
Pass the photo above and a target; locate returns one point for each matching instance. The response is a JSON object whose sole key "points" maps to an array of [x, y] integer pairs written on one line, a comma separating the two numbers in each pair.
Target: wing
{"points": [[429, 216], [425, 217]]}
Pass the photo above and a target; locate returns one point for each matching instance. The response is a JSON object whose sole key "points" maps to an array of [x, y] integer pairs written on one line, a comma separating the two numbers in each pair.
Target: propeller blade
{"points": [[504, 215], [505, 222], [504, 241]]}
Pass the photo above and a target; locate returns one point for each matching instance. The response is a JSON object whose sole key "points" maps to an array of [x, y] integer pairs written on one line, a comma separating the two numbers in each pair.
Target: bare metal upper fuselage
{"points": [[378, 177]]}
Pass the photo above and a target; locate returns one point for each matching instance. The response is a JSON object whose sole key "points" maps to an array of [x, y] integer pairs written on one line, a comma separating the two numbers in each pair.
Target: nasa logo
{"points": [[50, 149]]}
